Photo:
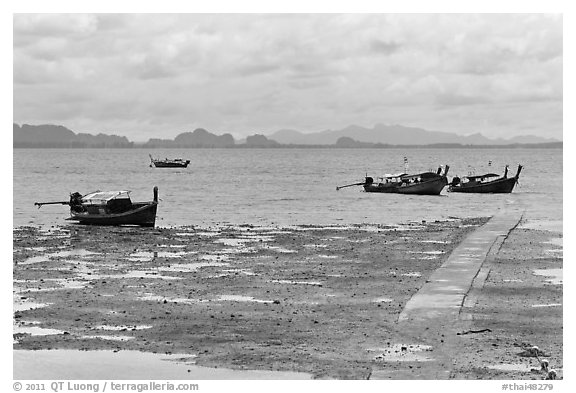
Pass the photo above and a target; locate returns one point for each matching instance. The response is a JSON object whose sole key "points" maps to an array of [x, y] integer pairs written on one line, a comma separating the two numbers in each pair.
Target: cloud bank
{"points": [[157, 75]]}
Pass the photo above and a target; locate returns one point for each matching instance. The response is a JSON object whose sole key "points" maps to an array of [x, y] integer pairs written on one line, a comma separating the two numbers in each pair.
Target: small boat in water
{"points": [[168, 162], [425, 183], [488, 183], [109, 208]]}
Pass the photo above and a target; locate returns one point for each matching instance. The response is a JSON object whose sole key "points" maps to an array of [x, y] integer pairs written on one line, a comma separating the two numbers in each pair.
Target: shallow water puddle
{"points": [[239, 298], [412, 274], [60, 254], [215, 258], [25, 304], [408, 227], [239, 271], [434, 252], [147, 256], [108, 338], [60, 284], [557, 252], [163, 299], [128, 365], [31, 328], [208, 234], [556, 275], [142, 274], [316, 283], [39, 249], [238, 250], [556, 241], [547, 305], [189, 267], [120, 328], [232, 242], [403, 353], [36, 259], [382, 300], [326, 228], [436, 241], [241, 241]]}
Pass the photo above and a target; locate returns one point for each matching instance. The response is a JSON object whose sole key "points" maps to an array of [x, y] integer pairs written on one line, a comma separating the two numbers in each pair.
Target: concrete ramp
{"points": [[432, 317], [443, 294]]}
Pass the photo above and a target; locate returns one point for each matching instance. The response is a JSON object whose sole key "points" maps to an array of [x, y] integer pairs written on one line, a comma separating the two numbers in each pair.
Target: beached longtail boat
{"points": [[109, 208], [168, 162], [425, 183], [488, 183]]}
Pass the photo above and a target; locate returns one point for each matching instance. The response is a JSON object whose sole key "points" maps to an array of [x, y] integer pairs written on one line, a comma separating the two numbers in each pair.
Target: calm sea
{"points": [[280, 186]]}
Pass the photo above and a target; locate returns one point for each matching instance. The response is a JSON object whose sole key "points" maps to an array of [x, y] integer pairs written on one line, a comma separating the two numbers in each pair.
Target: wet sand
{"points": [[318, 300], [521, 303], [307, 299]]}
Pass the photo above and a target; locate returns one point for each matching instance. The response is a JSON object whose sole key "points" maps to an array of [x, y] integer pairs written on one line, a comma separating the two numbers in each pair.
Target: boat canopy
{"points": [[488, 175], [103, 197], [423, 175], [389, 176]]}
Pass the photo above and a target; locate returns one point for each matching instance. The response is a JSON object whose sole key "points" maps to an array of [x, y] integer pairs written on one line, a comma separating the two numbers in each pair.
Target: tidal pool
{"points": [[128, 365]]}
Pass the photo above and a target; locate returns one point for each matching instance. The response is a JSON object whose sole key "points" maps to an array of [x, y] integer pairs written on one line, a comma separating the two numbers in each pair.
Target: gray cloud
{"points": [[386, 48]]}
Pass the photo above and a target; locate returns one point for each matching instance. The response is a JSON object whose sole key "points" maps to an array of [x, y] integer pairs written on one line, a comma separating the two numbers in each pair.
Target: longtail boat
{"points": [[488, 183], [425, 183], [168, 162], [109, 208]]}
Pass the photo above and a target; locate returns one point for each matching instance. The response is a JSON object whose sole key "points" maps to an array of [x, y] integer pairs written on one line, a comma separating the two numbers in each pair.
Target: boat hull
{"points": [[142, 214], [431, 187], [500, 186]]}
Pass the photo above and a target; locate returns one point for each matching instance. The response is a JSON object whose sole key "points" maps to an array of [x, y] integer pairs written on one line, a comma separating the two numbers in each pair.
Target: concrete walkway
{"points": [[432, 316]]}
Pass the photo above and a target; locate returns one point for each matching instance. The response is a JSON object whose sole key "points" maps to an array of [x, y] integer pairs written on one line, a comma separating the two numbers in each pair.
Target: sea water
{"points": [[281, 186]]}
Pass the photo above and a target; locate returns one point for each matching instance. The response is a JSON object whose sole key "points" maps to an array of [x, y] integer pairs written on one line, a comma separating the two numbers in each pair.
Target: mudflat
{"points": [[519, 306], [319, 300]]}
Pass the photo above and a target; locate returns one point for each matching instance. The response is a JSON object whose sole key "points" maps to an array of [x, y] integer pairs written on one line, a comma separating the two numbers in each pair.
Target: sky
{"points": [[157, 75]]}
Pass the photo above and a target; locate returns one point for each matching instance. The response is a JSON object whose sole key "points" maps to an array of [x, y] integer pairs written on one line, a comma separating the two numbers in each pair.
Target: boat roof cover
{"points": [[483, 176], [390, 176], [423, 175], [101, 197], [407, 176]]}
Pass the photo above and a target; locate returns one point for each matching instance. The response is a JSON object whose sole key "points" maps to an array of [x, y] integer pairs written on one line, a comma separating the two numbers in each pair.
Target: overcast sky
{"points": [[157, 75]]}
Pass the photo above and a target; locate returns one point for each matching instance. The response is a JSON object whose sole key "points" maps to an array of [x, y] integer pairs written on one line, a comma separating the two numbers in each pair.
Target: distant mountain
{"points": [[395, 135], [202, 138], [347, 142], [258, 140], [199, 138], [48, 135]]}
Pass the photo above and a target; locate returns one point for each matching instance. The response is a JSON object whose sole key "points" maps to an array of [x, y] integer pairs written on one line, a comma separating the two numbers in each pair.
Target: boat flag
{"points": [[406, 164]]}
